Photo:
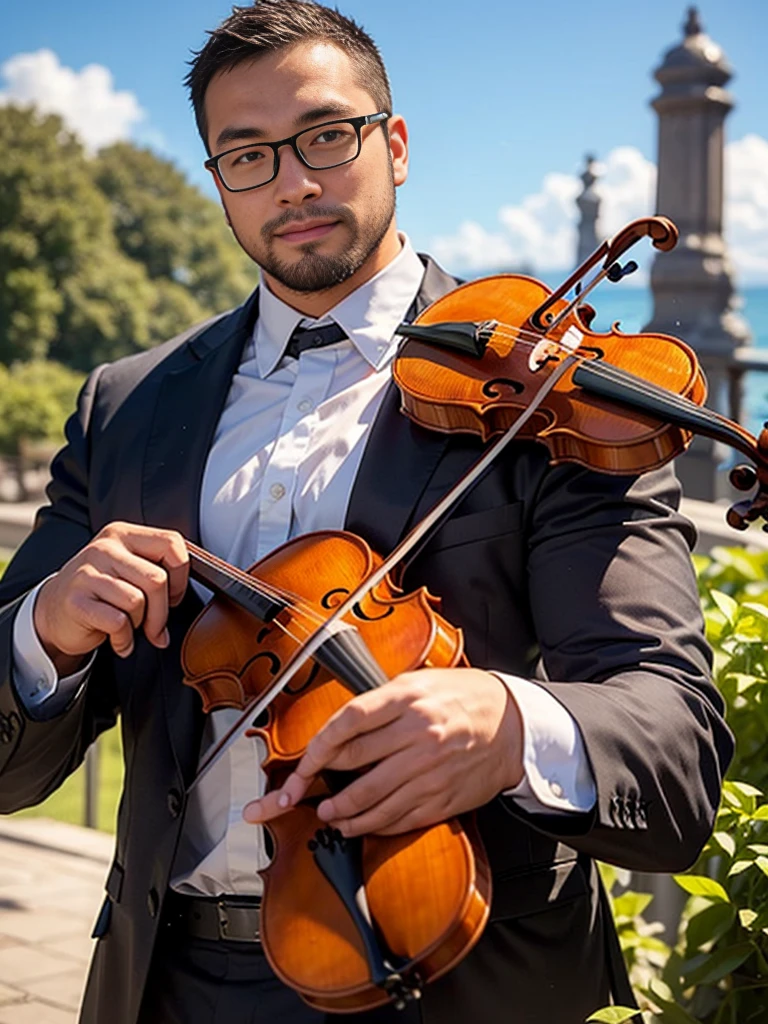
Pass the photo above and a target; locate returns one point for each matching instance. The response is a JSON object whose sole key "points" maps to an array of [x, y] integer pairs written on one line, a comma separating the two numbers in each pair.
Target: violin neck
{"points": [[227, 581], [616, 385]]}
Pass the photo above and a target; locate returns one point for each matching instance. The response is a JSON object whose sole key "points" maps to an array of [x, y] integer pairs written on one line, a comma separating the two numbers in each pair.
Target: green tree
{"points": [[166, 224], [103, 256], [35, 400], [59, 260]]}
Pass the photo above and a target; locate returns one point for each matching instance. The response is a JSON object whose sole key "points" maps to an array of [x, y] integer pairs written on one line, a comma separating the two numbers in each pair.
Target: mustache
{"points": [[307, 213]]}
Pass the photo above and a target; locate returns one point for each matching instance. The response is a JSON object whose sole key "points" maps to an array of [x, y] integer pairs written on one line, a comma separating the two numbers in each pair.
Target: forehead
{"points": [[270, 92]]}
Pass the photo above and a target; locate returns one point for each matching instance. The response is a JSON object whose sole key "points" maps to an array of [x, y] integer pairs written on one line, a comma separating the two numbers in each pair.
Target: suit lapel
{"points": [[189, 403], [387, 490], [188, 407]]}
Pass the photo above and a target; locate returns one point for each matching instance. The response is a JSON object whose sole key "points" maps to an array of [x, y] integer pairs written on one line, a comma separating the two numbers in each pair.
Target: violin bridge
{"points": [[547, 349]]}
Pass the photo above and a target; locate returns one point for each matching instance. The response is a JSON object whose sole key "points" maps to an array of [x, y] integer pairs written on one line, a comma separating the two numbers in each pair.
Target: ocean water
{"points": [[633, 307]]}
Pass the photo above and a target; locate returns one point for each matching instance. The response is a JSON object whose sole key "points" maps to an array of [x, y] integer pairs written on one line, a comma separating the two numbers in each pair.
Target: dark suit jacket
{"points": [[582, 578]]}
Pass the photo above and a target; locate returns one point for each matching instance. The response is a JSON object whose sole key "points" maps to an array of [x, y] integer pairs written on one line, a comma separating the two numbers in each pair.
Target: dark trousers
{"points": [[524, 970], [194, 981]]}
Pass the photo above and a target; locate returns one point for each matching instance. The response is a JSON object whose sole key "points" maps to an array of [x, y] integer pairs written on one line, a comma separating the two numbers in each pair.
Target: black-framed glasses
{"points": [[321, 147]]}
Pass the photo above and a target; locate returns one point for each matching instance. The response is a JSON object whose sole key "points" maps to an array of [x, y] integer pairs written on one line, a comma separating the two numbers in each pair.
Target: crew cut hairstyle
{"points": [[270, 25]]}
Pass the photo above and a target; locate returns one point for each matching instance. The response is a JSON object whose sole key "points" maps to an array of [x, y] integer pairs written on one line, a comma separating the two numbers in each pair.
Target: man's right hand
{"points": [[126, 578]]}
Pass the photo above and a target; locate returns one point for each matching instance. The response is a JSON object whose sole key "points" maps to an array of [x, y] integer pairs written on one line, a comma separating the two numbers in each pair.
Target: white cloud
{"points": [[540, 232], [746, 208], [86, 100]]}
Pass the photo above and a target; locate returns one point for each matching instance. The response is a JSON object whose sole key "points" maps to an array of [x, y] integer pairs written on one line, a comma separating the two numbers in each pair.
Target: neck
{"points": [[317, 304]]}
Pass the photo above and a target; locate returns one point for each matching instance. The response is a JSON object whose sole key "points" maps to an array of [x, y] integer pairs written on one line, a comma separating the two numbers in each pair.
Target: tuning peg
{"points": [[736, 515], [616, 272], [743, 477]]}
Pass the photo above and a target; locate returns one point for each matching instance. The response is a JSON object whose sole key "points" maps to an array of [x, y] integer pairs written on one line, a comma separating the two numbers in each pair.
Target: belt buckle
{"points": [[225, 919]]}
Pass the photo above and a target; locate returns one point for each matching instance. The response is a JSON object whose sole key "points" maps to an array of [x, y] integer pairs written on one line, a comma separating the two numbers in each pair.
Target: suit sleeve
{"points": [[616, 610], [36, 757]]}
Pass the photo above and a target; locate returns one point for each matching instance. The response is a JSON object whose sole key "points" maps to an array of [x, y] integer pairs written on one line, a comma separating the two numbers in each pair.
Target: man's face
{"points": [[309, 229]]}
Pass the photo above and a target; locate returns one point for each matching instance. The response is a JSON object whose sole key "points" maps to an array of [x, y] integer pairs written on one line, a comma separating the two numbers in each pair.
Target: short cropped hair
{"points": [[270, 25]]}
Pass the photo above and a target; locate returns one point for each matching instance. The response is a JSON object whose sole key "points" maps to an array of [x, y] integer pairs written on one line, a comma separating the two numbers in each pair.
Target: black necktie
{"points": [[313, 337]]}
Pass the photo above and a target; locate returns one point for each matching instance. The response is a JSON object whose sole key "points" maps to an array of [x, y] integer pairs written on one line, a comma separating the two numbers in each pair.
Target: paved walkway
{"points": [[51, 887]]}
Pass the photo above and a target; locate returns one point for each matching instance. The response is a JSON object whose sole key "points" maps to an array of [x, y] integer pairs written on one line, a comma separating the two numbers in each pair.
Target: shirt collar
{"points": [[368, 315]]}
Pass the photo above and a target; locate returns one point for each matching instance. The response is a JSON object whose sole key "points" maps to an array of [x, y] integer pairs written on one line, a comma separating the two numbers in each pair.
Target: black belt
{"points": [[233, 918]]}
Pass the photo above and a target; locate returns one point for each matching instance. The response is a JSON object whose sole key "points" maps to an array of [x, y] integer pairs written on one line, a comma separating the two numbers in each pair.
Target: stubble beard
{"points": [[316, 271]]}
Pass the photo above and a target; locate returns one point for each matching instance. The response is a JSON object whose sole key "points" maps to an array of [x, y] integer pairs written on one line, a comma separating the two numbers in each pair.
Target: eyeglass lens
{"points": [[320, 147]]}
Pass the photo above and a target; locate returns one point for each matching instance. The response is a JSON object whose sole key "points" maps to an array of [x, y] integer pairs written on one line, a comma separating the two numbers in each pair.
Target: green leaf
{"points": [[700, 885], [709, 925], [758, 609], [631, 904], [726, 604], [671, 1013], [742, 681], [741, 795], [719, 964], [758, 848], [739, 866], [761, 814], [747, 917], [762, 863], [613, 1015], [726, 842]]}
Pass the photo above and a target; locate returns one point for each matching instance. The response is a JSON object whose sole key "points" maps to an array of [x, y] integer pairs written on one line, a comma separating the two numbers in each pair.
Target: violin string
{"points": [[289, 600], [636, 384]]}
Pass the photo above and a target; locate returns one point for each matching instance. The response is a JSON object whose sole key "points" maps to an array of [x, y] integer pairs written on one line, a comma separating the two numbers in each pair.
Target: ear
{"points": [[398, 147]]}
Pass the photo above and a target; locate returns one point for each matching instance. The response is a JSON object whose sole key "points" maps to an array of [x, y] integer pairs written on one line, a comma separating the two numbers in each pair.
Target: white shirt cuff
{"points": [[37, 683], [557, 776]]}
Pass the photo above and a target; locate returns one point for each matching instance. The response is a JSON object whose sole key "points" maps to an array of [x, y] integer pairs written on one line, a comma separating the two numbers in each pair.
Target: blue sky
{"points": [[535, 85]]}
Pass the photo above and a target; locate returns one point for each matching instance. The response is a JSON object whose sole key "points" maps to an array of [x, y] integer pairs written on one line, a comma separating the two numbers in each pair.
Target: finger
{"points": [[407, 808], [349, 729], [147, 576], [360, 795], [121, 595], [163, 547], [390, 776], [266, 808], [298, 783], [347, 734], [106, 621]]}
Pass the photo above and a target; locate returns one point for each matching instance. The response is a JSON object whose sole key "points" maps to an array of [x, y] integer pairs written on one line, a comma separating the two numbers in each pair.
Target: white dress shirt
{"points": [[283, 462]]}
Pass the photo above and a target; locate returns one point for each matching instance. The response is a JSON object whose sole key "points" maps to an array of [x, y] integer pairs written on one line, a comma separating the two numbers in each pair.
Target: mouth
{"points": [[306, 231]]}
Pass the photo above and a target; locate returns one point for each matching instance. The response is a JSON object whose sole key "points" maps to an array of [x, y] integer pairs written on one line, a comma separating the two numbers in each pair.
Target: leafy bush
{"points": [[717, 972], [35, 400]]}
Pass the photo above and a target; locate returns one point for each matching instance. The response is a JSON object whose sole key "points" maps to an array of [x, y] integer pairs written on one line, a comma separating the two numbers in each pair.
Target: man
{"points": [[252, 429]]}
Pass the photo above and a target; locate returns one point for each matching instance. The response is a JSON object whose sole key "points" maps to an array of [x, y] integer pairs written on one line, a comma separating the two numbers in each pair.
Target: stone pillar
{"points": [[588, 202], [693, 292]]}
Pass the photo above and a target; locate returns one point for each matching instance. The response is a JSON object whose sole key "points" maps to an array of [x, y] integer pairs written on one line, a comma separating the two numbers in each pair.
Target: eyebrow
{"points": [[246, 133]]}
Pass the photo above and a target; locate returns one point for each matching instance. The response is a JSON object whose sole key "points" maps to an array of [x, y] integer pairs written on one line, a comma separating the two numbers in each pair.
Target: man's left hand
{"points": [[436, 743]]}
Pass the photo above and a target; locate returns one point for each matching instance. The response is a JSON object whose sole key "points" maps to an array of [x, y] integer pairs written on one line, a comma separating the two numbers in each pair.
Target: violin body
{"points": [[428, 891], [450, 391]]}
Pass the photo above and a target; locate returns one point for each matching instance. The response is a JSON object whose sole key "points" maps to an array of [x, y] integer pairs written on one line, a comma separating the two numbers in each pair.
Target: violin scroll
{"points": [[662, 232]]}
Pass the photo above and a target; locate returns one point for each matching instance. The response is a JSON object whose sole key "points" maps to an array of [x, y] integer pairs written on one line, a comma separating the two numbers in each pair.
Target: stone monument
{"points": [[588, 202], [693, 291]]}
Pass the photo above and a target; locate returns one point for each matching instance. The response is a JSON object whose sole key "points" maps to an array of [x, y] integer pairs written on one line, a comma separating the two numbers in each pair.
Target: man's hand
{"points": [[124, 579], [436, 743]]}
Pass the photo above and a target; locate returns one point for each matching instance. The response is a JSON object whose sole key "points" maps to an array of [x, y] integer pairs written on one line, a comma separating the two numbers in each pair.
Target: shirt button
{"points": [[277, 491], [557, 789], [304, 405]]}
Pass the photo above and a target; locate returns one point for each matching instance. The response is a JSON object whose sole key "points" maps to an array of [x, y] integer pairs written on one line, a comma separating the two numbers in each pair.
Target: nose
{"points": [[295, 183]]}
